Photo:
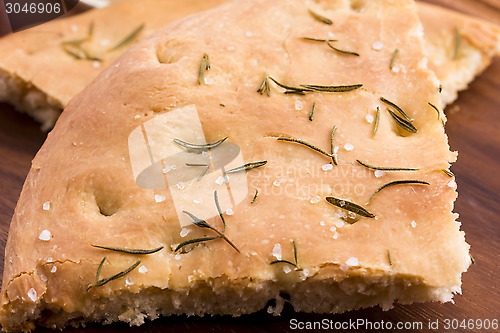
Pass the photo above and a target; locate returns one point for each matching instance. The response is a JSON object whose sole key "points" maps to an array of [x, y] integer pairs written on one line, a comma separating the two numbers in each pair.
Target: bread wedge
{"points": [[227, 161], [39, 75]]}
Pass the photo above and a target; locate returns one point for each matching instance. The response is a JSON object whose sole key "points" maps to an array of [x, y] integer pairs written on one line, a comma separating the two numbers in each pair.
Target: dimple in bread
{"points": [[319, 220], [38, 93]]}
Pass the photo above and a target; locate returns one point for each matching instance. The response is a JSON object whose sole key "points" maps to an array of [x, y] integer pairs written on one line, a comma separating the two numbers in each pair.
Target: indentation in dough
{"points": [[169, 52], [106, 200]]}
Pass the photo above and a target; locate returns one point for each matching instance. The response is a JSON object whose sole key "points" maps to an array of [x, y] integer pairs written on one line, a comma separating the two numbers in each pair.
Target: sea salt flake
{"points": [[143, 269], [306, 272], [351, 215], [331, 35], [198, 201], [379, 173], [209, 80], [352, 261], [298, 105], [43, 278], [396, 69], [452, 184], [339, 224], [335, 235], [160, 198], [129, 281], [219, 180], [315, 199], [377, 46], [96, 64], [413, 224], [327, 167], [169, 168], [46, 205], [184, 232], [277, 251], [45, 235], [177, 257], [32, 294], [180, 185], [333, 229], [229, 211], [369, 118], [276, 183], [349, 147], [53, 269], [322, 223], [287, 269]]}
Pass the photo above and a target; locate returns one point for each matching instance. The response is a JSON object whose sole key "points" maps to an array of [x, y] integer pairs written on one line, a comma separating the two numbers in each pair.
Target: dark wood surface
{"points": [[474, 130]]}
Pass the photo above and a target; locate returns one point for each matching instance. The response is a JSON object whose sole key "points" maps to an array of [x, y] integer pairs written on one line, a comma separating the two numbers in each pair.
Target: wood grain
{"points": [[473, 129]]}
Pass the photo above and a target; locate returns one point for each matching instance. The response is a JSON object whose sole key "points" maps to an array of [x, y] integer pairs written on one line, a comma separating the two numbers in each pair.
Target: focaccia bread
{"points": [[227, 161], [39, 76]]}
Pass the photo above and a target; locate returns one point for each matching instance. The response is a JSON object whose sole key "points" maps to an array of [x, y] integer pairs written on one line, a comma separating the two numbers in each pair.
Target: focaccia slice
{"points": [[39, 76], [235, 157]]}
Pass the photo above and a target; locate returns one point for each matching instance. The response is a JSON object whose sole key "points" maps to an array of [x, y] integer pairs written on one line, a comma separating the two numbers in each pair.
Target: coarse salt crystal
{"points": [[333, 229], [335, 235], [331, 35], [74, 28], [53, 269], [351, 215], [43, 278], [184, 232], [96, 64], [160, 198], [315, 199], [104, 42], [177, 257], [349, 147], [46, 205], [143, 269], [229, 211], [352, 261], [32, 294], [339, 224], [45, 235], [50, 260], [322, 223], [219, 180], [327, 167], [209, 80], [377, 46], [286, 269], [168, 168], [298, 105], [413, 224], [180, 185], [379, 173], [369, 118], [129, 281], [205, 154], [452, 184], [277, 251], [396, 69], [277, 182], [198, 201], [306, 272]]}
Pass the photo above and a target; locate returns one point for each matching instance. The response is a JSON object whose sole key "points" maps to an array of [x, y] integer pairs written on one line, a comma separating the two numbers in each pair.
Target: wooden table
{"points": [[474, 130]]}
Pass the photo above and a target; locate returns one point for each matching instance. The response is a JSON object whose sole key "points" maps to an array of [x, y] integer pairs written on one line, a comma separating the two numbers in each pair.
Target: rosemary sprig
{"points": [[255, 196], [389, 258], [75, 47], [265, 87], [457, 41], [128, 39], [341, 51], [350, 206], [320, 18], [203, 224], [204, 66], [397, 182], [393, 57], [295, 263], [386, 168], [377, 120], [248, 166], [448, 173], [304, 143], [311, 114], [290, 89], [403, 123], [102, 282], [435, 108], [129, 251], [198, 149], [400, 110], [332, 146], [342, 88]]}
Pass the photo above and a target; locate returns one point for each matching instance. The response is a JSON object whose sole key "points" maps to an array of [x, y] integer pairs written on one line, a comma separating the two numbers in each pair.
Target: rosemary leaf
{"points": [[129, 251], [198, 149], [204, 66], [195, 241], [352, 207], [311, 114], [312, 39], [99, 269], [457, 41], [332, 146], [295, 255], [78, 52], [345, 88], [199, 222], [117, 275], [403, 123], [320, 18], [283, 262], [301, 142], [472, 260], [398, 182], [405, 116], [448, 173], [247, 166], [389, 257], [437, 110], [386, 168], [255, 196], [393, 57], [128, 39], [217, 205], [440, 88], [377, 120], [265, 87], [290, 89], [342, 51]]}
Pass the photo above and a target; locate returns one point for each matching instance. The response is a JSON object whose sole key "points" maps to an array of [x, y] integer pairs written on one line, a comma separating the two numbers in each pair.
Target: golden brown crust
{"points": [[82, 187]]}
